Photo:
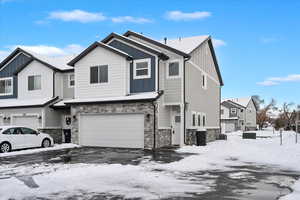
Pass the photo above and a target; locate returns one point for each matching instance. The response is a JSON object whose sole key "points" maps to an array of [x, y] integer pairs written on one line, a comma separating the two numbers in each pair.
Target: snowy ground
{"points": [[196, 174]]}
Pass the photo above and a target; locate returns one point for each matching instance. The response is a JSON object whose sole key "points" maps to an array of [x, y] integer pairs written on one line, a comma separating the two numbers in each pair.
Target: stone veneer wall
{"points": [[163, 137], [211, 135], [56, 134]]}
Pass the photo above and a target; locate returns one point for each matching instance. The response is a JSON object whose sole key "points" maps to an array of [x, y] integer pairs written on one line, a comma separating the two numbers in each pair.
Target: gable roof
{"points": [[225, 102], [55, 63], [242, 101], [137, 44], [184, 46], [187, 44], [157, 43], [93, 46]]}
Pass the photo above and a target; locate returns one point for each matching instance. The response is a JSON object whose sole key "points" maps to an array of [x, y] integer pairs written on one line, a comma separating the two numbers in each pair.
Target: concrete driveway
{"points": [[245, 182]]}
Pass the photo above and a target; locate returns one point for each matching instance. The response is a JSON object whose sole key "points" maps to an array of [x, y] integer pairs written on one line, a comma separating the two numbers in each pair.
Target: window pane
{"points": [[142, 65], [72, 80], [103, 74], [142, 72], [174, 69], [204, 120], [2, 86], [94, 75], [37, 82], [194, 120], [199, 120], [30, 82], [27, 131], [8, 86]]}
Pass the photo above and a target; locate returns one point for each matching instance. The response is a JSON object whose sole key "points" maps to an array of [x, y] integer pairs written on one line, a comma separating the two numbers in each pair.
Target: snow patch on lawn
{"points": [[125, 180], [37, 150]]}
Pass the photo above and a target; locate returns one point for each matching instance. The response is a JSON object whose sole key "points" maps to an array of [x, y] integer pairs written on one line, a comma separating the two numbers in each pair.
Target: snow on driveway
{"points": [[154, 180]]}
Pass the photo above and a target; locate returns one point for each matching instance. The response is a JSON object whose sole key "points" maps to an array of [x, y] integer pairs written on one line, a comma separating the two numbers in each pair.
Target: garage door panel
{"points": [[115, 130], [26, 121]]}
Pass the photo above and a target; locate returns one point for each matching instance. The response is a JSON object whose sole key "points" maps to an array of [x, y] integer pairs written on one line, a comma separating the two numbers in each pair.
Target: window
{"points": [[177, 119], [6, 87], [233, 111], [9, 131], [199, 119], [71, 80], [222, 111], [173, 70], [34, 82], [204, 120], [142, 69], [99, 74], [194, 119], [204, 81], [28, 131]]}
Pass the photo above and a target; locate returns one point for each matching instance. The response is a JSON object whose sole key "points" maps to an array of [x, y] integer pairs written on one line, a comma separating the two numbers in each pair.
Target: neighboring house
{"points": [[133, 91], [238, 114], [30, 87]]}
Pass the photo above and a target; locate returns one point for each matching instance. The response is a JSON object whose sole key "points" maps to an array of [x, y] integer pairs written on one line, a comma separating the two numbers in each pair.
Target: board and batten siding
{"points": [[117, 83], [68, 92], [250, 119], [9, 69], [35, 68], [202, 57], [202, 100]]}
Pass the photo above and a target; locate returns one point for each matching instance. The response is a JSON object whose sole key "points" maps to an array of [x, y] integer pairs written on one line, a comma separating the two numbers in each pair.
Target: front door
{"points": [[176, 130]]}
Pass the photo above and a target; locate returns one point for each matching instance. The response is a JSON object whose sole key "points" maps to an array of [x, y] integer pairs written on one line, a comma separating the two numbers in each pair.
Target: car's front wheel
{"points": [[5, 147], [46, 143]]}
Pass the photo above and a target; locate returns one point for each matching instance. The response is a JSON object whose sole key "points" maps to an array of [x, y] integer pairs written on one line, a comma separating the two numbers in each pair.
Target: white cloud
{"points": [[177, 15], [277, 80], [218, 43], [50, 50], [77, 15], [138, 20]]}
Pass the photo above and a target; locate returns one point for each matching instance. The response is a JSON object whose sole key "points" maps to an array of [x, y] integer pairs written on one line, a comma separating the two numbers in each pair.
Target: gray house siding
{"points": [[9, 70], [138, 85], [229, 106]]}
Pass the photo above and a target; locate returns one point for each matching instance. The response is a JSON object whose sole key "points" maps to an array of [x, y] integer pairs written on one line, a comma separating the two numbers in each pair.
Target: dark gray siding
{"points": [[139, 85], [8, 71], [229, 105]]}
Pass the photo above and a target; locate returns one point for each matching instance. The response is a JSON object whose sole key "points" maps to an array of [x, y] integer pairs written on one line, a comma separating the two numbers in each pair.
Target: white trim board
{"points": [[202, 71]]}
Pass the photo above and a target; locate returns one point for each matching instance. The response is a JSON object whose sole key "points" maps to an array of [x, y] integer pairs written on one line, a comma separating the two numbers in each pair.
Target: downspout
{"points": [[53, 95], [154, 109], [184, 103]]}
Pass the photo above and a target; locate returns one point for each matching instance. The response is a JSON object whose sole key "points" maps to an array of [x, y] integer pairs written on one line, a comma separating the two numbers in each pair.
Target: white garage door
{"points": [[115, 130], [27, 121], [230, 127]]}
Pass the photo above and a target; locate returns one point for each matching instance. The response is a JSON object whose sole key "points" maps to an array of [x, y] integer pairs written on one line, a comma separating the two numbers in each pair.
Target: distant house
{"points": [[238, 114]]}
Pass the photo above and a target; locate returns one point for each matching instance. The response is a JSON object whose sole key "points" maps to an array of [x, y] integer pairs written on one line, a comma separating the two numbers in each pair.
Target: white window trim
{"points": [[12, 86], [34, 89], [148, 60], [194, 113], [203, 75], [103, 83], [233, 111], [203, 115], [69, 80], [167, 70]]}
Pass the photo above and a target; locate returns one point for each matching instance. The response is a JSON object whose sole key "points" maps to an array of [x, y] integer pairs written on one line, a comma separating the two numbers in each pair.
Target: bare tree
{"points": [[262, 113], [289, 115]]}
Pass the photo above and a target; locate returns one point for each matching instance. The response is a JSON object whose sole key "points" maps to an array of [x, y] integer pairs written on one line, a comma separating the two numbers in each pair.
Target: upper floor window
{"points": [[204, 120], [71, 80], [99, 74], [6, 87], [199, 119], [173, 69], [34, 82], [233, 111], [142, 68], [193, 119], [204, 81]]}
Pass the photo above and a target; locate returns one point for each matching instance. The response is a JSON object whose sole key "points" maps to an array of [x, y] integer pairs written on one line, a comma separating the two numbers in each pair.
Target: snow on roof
{"points": [[111, 47], [141, 96], [186, 44], [241, 101], [59, 62], [23, 102]]}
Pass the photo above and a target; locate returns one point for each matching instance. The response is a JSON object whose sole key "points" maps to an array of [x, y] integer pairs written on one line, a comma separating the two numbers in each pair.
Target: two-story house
{"points": [[238, 114], [30, 87], [133, 91]]}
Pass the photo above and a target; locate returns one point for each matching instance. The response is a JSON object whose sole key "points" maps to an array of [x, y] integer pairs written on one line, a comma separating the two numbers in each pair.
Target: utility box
{"points": [[248, 135], [222, 137], [201, 138]]}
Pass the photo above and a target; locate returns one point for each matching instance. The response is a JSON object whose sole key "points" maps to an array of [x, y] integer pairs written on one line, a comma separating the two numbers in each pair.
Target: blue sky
{"points": [[258, 41]]}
